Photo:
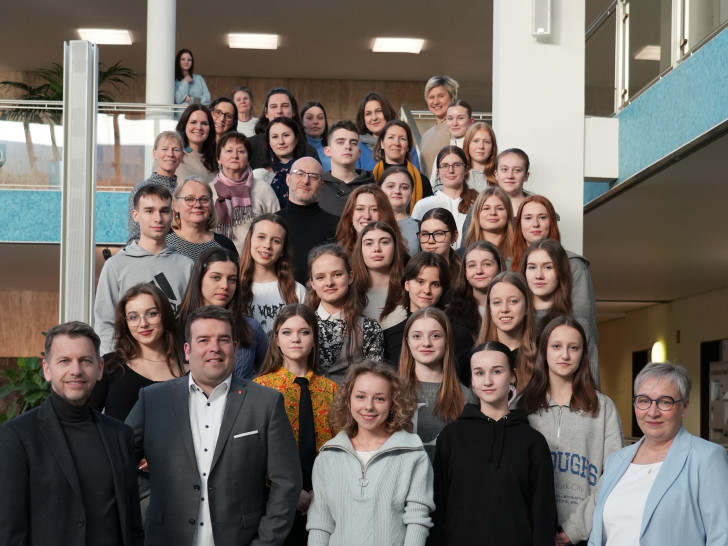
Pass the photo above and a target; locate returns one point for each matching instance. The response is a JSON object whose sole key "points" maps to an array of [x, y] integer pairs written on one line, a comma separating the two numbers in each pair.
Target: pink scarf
{"points": [[233, 205]]}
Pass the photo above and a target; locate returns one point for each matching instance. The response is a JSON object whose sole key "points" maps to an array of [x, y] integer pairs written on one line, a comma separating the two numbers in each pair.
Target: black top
{"points": [[117, 391], [309, 226], [103, 527], [501, 470]]}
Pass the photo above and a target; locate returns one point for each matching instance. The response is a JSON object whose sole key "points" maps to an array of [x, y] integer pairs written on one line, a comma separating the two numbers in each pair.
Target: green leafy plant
{"points": [[26, 388]]}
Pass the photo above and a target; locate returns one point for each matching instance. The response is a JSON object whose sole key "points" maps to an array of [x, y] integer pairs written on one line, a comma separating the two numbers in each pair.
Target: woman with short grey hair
{"points": [[670, 487]]}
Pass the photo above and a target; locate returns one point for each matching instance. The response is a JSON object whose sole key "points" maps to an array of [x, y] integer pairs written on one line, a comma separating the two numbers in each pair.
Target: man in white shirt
{"points": [[223, 462]]}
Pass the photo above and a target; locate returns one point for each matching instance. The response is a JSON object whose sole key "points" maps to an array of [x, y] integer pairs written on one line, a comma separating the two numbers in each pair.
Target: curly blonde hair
{"points": [[403, 399]]}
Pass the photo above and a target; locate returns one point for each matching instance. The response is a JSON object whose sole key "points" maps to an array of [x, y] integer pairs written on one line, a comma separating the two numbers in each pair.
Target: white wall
{"points": [[538, 103]]}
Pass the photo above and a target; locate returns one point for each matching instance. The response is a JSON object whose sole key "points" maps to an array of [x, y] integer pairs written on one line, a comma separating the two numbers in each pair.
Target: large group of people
{"points": [[319, 336]]}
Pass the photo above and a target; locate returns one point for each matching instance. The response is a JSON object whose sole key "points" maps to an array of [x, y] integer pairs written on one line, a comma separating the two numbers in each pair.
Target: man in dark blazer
{"points": [[223, 462], [67, 473]]}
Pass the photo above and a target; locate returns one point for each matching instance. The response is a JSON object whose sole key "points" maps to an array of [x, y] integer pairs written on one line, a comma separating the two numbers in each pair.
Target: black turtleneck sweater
{"points": [[89, 455], [308, 226]]}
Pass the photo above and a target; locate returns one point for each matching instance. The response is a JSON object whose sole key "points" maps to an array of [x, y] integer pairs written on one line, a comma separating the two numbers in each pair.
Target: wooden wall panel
{"points": [[24, 315]]}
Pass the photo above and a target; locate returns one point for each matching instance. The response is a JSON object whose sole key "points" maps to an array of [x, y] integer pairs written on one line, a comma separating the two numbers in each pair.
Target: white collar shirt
{"points": [[206, 415]]}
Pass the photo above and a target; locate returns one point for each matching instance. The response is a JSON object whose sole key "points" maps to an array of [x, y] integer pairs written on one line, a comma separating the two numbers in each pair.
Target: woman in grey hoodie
{"points": [[580, 424]]}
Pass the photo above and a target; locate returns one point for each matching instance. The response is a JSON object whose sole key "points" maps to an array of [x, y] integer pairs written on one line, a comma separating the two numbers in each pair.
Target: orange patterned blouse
{"points": [[322, 395]]}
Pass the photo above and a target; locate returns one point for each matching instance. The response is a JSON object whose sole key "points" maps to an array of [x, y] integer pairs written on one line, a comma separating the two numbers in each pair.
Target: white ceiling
{"points": [[319, 38]]}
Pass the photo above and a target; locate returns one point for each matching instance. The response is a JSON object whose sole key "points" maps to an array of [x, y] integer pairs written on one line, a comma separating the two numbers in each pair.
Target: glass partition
{"points": [[650, 42], [599, 74], [703, 18], [31, 143]]}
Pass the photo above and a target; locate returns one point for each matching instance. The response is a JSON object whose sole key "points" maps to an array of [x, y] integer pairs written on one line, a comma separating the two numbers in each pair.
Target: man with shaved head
{"points": [[308, 224]]}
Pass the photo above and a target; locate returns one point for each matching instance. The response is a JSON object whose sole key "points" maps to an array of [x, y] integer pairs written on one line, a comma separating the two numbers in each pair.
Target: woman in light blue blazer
{"points": [[670, 488]]}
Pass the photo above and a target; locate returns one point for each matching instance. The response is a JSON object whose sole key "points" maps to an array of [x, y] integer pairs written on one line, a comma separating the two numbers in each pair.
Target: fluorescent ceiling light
{"points": [[253, 41], [105, 36], [648, 53], [397, 45]]}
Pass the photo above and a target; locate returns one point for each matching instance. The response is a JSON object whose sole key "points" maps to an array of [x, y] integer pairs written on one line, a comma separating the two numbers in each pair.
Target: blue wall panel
{"points": [[687, 102], [35, 216]]}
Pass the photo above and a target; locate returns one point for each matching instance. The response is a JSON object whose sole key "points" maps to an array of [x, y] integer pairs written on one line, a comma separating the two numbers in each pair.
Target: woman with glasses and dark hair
{"points": [[670, 487], [237, 197], [188, 86], [193, 220], [147, 350], [223, 114], [438, 233]]}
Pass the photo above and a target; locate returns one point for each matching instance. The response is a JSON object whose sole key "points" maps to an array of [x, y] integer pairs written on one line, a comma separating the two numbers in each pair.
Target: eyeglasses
{"points": [[217, 113], [190, 200], [439, 236], [150, 316], [664, 403], [453, 166], [315, 177]]}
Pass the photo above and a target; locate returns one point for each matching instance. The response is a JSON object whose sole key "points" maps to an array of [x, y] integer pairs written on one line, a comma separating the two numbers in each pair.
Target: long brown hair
{"points": [[519, 242], [450, 399], [583, 390], [473, 130], [403, 399], [361, 273], [467, 195], [283, 267], [346, 235], [127, 348], [463, 307], [355, 300], [505, 246], [488, 331], [193, 299], [562, 296], [274, 357]]}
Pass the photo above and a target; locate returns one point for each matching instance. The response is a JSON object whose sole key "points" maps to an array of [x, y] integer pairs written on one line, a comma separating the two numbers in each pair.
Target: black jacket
{"points": [[494, 483]]}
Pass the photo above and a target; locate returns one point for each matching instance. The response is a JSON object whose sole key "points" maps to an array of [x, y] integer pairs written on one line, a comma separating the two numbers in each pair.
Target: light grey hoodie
{"points": [[580, 445], [168, 270]]}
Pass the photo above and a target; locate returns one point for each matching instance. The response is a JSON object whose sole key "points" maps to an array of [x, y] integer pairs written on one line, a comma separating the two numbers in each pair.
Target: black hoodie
{"points": [[494, 483]]}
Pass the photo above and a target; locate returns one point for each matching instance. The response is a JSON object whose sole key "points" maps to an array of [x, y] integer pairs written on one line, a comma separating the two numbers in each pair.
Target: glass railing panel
{"points": [[703, 18], [31, 143], [599, 88], [650, 42]]}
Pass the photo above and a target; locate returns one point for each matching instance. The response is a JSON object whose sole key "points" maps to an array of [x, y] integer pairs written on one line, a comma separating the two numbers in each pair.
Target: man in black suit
{"points": [[223, 462], [67, 473]]}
